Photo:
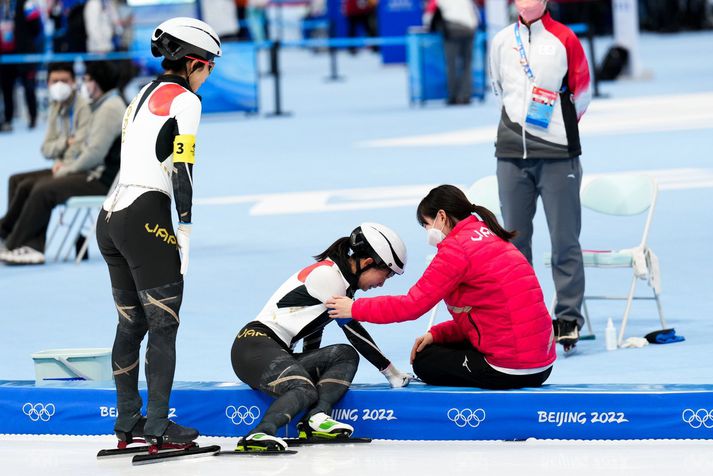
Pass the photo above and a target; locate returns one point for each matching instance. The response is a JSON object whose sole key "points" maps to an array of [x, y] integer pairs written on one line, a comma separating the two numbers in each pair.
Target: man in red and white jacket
{"points": [[539, 70]]}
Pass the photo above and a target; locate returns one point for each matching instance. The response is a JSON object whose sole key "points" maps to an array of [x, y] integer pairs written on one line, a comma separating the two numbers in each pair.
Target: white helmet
{"points": [[182, 36], [381, 243]]}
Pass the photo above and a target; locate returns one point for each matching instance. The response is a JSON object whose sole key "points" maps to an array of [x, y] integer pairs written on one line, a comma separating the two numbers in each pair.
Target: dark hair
{"points": [[340, 251], [453, 201], [104, 73], [66, 67], [179, 65]]}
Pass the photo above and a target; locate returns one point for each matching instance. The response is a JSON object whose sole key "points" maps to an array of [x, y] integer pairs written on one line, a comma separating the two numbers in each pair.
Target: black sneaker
{"points": [[567, 333], [136, 432], [174, 434]]}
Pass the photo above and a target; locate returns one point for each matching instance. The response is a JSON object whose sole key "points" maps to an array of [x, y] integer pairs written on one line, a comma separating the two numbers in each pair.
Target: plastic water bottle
{"points": [[610, 335]]}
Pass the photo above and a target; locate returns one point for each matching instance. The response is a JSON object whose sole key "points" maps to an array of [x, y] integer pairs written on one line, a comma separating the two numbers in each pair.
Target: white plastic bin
{"points": [[72, 364]]}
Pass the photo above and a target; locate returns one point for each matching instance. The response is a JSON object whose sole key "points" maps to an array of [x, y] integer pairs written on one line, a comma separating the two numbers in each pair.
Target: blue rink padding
{"points": [[418, 412]]}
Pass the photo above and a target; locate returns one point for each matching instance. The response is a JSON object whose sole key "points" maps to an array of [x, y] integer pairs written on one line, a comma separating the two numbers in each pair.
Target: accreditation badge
{"points": [[542, 103]]}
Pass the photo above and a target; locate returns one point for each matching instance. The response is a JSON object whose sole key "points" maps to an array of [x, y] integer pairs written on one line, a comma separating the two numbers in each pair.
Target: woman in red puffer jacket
{"points": [[501, 334]]}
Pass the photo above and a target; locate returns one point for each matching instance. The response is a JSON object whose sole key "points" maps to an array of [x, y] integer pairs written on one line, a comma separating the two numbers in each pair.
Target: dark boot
{"points": [[174, 434], [137, 431]]}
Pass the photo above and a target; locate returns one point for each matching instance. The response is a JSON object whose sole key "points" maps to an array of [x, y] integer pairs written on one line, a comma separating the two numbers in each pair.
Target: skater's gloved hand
{"points": [[395, 377], [183, 238]]}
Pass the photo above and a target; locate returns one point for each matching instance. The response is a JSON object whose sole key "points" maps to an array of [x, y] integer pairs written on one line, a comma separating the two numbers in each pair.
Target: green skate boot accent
{"points": [[321, 425], [260, 442]]}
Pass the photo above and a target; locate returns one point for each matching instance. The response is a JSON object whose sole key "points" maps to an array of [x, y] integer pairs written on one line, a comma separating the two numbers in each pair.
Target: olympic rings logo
{"points": [[698, 418], [242, 414], [39, 411], [472, 418]]}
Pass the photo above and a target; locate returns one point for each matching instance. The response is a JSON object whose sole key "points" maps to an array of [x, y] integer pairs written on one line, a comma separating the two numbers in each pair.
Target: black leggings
{"points": [[139, 247], [312, 381], [460, 365]]}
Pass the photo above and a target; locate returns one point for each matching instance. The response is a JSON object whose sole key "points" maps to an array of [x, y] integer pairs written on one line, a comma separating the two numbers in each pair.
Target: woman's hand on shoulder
{"points": [[421, 343], [340, 307]]}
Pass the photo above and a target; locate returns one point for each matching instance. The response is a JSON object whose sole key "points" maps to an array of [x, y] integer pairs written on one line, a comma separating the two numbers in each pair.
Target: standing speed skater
{"points": [[147, 260], [312, 381]]}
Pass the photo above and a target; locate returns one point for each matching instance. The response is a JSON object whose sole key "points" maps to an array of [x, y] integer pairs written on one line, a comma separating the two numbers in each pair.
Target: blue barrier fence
{"points": [[426, 70], [416, 412]]}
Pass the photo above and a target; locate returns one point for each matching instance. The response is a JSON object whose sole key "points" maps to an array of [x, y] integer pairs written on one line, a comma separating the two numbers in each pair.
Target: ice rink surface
{"points": [[270, 193], [69, 456]]}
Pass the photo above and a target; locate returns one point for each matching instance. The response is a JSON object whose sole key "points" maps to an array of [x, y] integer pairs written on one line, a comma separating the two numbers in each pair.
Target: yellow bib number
{"points": [[184, 149]]}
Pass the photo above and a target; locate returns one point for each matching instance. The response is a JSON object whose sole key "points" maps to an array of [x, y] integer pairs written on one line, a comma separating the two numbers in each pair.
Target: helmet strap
{"points": [[359, 270], [189, 72]]}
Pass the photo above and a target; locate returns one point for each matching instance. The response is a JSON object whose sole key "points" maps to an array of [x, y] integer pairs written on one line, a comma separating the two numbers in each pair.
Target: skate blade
{"points": [[188, 453], [128, 451], [341, 440], [257, 453]]}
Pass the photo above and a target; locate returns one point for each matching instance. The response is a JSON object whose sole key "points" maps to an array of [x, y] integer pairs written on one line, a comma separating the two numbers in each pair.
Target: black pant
{"points": [[32, 197], [19, 187], [27, 74], [313, 381], [367, 21], [139, 246], [460, 365]]}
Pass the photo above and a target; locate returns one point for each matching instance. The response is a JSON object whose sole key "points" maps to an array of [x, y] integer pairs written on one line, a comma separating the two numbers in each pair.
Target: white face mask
{"points": [[434, 235], [59, 91]]}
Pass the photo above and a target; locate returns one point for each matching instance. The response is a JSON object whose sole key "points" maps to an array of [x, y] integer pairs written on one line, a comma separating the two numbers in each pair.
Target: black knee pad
{"points": [[162, 305], [131, 313]]}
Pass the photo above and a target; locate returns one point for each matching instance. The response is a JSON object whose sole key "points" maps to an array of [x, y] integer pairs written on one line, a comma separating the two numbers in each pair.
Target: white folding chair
{"points": [[484, 192], [623, 195], [83, 208]]}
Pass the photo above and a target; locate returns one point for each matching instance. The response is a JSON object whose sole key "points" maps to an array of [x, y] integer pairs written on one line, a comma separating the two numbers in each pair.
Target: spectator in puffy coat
{"points": [[501, 334]]}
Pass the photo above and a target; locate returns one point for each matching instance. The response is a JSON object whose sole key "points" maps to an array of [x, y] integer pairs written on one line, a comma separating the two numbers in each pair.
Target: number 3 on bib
{"points": [[184, 149]]}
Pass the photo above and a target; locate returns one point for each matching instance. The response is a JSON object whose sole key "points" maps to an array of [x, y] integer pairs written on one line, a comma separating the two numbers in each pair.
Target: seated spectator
{"points": [[501, 334], [91, 173], [67, 127]]}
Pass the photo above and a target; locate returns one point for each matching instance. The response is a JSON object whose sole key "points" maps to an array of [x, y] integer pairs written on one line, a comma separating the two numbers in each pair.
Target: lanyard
{"points": [[71, 118], [523, 57]]}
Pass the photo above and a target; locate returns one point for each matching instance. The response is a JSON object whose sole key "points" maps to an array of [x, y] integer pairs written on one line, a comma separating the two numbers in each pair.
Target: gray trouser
{"points": [[557, 181], [458, 50]]}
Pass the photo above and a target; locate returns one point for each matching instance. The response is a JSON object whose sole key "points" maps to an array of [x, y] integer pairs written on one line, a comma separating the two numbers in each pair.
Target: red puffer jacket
{"points": [[491, 292]]}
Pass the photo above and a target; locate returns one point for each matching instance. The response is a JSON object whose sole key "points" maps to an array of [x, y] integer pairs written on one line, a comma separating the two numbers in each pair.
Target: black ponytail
{"points": [[453, 201], [339, 250], [489, 218]]}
